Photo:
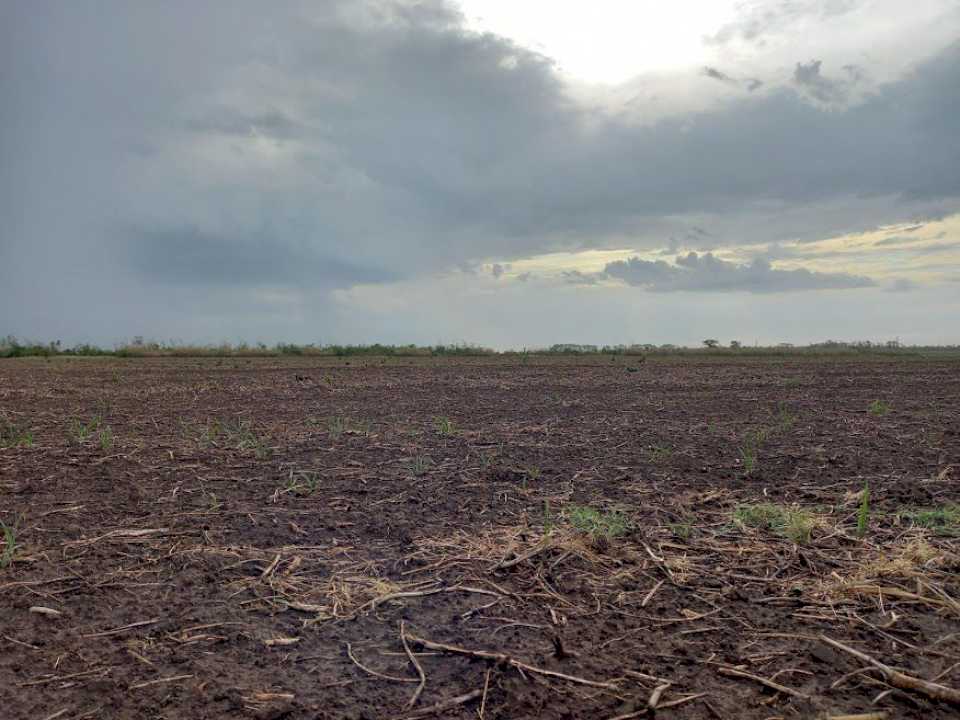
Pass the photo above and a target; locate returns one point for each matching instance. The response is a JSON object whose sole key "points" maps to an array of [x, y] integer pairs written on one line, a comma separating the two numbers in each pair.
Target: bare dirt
{"points": [[541, 538]]}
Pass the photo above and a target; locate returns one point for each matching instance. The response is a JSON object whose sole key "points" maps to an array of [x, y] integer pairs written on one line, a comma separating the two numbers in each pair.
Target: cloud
{"points": [[498, 269], [808, 76], [360, 142], [750, 84], [707, 273], [900, 285], [762, 18], [188, 256], [576, 277]]}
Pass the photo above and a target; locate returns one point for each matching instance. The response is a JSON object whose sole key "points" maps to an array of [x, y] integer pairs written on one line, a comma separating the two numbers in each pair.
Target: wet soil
{"points": [[553, 538]]}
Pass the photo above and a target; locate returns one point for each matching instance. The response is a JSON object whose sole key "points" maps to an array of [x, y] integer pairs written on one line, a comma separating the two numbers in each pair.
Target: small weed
{"points": [[9, 543], [784, 418], [863, 513], [660, 453], [944, 520], [793, 523], [12, 435], [336, 426], [878, 408], [444, 426], [683, 530], [105, 438], [79, 432], [597, 523], [419, 465], [303, 484], [750, 448], [243, 437], [210, 433]]}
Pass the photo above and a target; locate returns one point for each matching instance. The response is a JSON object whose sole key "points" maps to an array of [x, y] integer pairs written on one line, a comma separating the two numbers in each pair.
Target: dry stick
{"points": [[724, 670], [363, 667], [899, 679], [661, 706], [652, 592], [377, 602], [118, 630], [483, 700], [57, 678], [19, 642], [520, 558], [58, 713], [655, 695], [882, 715], [446, 704], [416, 663], [173, 678], [504, 659]]}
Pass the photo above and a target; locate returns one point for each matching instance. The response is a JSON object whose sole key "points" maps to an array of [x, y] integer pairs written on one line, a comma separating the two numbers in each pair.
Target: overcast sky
{"points": [[503, 173]]}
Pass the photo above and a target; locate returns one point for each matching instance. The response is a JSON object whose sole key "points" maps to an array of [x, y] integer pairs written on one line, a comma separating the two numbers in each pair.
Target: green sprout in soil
{"points": [[105, 438], [419, 465], [79, 432], [863, 513], [660, 453], [878, 408], [12, 435], [597, 523], [444, 426], [9, 543], [792, 523], [303, 484], [944, 520]]}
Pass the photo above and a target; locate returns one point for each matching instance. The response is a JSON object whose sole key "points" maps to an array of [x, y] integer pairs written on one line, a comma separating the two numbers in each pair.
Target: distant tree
{"points": [[711, 343], [735, 345]]}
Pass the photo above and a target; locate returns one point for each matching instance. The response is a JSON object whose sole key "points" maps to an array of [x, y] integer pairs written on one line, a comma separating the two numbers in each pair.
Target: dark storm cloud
{"points": [[188, 256], [707, 273], [827, 90], [576, 277], [750, 84], [361, 141]]}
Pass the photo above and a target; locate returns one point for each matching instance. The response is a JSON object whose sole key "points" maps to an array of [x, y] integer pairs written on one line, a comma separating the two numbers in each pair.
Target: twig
{"points": [[899, 679], [58, 713], [486, 684], [661, 706], [378, 601], [882, 715], [655, 696], [652, 592], [504, 659], [537, 549], [363, 667], [724, 670], [118, 630], [19, 642], [159, 681], [71, 676], [416, 664], [446, 704]]}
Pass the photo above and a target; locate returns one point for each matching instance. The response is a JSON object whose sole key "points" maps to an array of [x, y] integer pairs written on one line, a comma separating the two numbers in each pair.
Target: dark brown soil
{"points": [[231, 531]]}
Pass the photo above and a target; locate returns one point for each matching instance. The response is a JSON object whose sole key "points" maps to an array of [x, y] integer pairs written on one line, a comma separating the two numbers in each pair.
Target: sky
{"points": [[502, 173]]}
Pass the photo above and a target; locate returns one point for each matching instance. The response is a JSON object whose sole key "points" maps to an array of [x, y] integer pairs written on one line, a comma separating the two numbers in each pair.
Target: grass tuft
{"points": [[13, 435], [9, 543], [944, 520], [597, 523], [795, 524]]}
